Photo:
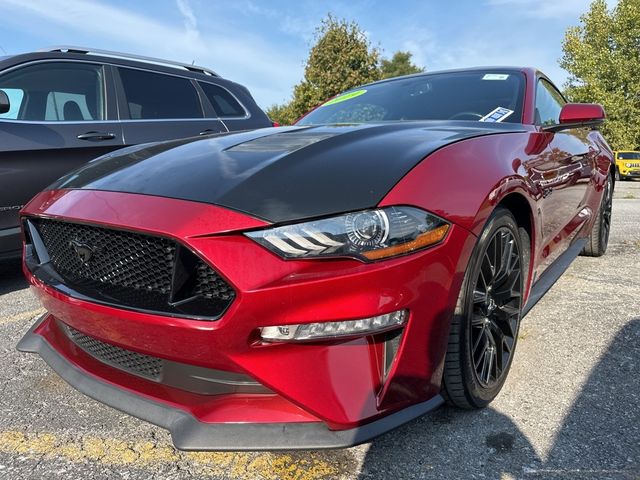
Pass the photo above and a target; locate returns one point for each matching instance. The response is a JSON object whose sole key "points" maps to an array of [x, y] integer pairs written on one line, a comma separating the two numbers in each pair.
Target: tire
{"points": [[487, 319], [617, 175], [599, 237]]}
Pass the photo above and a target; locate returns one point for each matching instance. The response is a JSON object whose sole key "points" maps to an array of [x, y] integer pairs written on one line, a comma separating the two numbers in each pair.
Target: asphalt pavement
{"points": [[570, 408]]}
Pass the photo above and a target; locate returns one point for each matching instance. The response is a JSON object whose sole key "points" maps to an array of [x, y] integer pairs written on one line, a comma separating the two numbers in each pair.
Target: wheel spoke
{"points": [[505, 259], [482, 354], [481, 336], [490, 265], [479, 296]]}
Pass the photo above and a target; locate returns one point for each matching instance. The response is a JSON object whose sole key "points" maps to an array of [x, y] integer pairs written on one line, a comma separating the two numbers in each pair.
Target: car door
{"points": [[562, 172], [158, 106], [60, 118]]}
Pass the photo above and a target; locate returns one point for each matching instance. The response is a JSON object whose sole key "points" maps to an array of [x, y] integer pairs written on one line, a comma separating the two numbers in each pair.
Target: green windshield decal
{"points": [[346, 96]]}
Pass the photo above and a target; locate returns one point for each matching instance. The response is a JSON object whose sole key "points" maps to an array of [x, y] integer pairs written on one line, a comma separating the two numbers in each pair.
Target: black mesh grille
{"points": [[129, 260], [132, 362], [210, 285], [133, 270]]}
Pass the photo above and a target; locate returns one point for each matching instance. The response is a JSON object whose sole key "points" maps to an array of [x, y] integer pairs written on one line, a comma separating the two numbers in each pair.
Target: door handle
{"points": [[96, 136], [208, 131]]}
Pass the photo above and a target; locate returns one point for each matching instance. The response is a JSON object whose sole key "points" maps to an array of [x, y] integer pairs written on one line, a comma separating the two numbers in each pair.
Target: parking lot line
{"points": [[145, 454], [18, 317]]}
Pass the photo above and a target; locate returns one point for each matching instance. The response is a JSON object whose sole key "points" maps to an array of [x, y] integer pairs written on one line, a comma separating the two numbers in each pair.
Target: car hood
{"points": [[279, 174]]}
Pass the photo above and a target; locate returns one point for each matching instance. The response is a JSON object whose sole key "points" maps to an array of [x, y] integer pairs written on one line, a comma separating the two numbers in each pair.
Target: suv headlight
{"points": [[628, 165], [366, 235]]}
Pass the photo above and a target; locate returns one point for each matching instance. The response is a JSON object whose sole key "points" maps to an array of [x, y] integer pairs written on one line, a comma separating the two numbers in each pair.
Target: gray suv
{"points": [[62, 107]]}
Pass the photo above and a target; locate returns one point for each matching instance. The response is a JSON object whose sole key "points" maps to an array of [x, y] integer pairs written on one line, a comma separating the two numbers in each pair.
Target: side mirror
{"points": [[5, 105], [576, 115]]}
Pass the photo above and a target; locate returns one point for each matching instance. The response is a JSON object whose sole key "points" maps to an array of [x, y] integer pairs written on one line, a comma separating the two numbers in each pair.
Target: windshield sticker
{"points": [[497, 115], [495, 76], [346, 96]]}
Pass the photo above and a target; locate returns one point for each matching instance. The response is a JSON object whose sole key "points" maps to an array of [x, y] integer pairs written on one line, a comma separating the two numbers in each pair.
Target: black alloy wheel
{"points": [[484, 328], [497, 301], [598, 239]]}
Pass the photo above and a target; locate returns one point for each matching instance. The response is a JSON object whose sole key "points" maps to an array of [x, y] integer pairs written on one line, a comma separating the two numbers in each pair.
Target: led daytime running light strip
{"points": [[331, 330]]}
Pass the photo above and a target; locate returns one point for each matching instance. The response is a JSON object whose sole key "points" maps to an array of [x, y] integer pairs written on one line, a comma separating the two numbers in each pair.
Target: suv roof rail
{"points": [[141, 58]]}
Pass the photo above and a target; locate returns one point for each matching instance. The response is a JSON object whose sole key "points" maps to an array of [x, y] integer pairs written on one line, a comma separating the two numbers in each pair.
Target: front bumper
{"points": [[323, 394], [629, 172], [187, 433]]}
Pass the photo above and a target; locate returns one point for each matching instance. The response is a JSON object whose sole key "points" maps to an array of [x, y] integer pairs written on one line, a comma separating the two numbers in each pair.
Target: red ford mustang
{"points": [[317, 285]]}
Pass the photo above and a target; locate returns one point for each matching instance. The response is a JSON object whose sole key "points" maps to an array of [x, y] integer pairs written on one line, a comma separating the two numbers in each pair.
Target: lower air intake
{"points": [[132, 362]]}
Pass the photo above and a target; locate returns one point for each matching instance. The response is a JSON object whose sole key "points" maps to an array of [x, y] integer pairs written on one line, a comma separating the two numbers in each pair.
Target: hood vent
{"points": [[281, 142]]}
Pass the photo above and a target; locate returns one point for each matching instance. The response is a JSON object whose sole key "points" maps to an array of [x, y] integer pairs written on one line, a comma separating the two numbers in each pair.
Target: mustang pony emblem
{"points": [[84, 251]]}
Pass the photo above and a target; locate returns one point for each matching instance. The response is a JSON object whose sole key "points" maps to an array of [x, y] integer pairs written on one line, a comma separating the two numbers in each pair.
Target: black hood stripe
{"points": [[280, 174]]}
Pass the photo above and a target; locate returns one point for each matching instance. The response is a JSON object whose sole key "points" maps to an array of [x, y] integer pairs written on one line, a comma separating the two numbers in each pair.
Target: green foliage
{"points": [[342, 58], [281, 114], [602, 56], [400, 64]]}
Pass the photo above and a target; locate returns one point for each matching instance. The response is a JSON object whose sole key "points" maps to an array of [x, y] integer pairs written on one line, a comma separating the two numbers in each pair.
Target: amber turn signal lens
{"points": [[423, 240]]}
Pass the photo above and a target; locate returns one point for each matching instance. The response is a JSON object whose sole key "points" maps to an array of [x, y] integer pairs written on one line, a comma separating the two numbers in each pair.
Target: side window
{"points": [[55, 92], [549, 102], [154, 96], [15, 99], [222, 101]]}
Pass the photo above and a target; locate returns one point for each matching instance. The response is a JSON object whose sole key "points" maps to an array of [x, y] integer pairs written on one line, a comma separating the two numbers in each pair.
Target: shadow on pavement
{"points": [[11, 276], [599, 438]]}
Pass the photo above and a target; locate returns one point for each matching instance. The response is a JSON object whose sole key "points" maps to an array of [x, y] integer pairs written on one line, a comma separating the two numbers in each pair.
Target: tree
{"points": [[602, 56], [400, 64], [342, 58]]}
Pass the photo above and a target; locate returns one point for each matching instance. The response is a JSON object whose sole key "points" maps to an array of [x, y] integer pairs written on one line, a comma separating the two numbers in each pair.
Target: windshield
{"points": [[629, 155], [493, 96]]}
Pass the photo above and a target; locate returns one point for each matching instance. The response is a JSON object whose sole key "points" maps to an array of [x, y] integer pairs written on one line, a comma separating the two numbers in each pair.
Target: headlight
{"points": [[366, 235], [628, 165]]}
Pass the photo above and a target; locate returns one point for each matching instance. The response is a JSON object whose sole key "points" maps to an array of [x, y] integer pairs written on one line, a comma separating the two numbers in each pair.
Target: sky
{"points": [[264, 45]]}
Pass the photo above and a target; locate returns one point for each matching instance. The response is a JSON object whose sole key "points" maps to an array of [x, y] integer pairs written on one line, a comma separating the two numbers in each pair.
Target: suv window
{"points": [[549, 102], [155, 96], [15, 99], [222, 101], [55, 92]]}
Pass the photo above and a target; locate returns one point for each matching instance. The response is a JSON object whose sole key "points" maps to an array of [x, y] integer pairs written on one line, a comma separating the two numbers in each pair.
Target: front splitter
{"points": [[187, 433]]}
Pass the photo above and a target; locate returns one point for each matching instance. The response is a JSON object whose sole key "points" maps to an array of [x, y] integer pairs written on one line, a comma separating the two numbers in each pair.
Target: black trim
{"points": [[188, 433], [200, 380], [10, 243], [553, 273], [567, 126], [9, 232]]}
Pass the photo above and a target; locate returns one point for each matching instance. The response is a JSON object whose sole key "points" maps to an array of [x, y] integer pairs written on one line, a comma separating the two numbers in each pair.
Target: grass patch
{"points": [[629, 196]]}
